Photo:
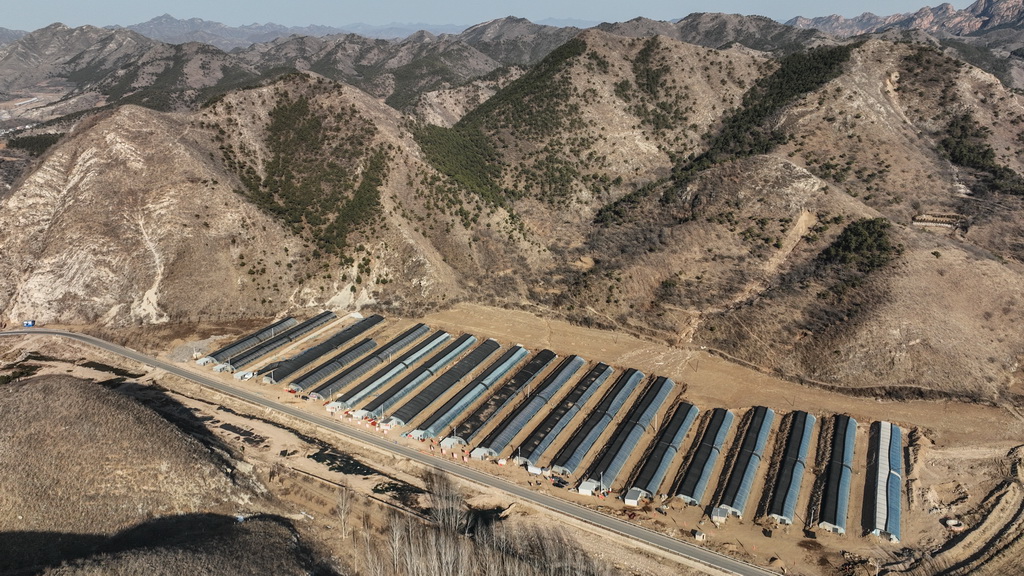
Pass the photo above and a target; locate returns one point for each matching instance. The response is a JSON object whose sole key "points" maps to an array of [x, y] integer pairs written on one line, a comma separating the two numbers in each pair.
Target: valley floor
{"points": [[961, 459]]}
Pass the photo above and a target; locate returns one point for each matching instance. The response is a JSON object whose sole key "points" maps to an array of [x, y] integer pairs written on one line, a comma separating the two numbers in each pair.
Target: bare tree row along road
{"points": [[714, 561]]}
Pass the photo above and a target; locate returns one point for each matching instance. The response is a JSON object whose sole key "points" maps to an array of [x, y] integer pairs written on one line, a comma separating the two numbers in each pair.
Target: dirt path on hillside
{"points": [[793, 237]]}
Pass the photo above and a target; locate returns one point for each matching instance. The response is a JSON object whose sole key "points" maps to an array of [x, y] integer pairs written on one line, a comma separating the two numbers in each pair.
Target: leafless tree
{"points": [[344, 510], [410, 546], [373, 560], [448, 506], [397, 530]]}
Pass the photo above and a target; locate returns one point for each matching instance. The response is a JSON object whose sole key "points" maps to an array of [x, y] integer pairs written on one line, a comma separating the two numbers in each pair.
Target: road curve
{"points": [[695, 553]]}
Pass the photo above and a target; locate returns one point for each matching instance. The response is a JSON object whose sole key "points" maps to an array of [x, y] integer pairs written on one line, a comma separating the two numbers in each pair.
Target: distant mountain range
{"points": [[398, 62], [87, 65], [943, 20], [8, 36], [173, 30], [982, 16]]}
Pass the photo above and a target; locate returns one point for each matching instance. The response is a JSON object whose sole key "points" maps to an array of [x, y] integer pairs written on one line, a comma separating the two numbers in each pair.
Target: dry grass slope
{"points": [[728, 262], [79, 459], [220, 545]]}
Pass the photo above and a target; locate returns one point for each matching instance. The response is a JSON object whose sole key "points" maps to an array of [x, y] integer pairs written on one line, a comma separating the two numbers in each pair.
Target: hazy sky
{"points": [[33, 14]]}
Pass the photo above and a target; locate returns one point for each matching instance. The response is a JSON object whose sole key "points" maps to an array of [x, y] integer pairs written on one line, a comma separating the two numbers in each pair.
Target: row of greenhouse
{"points": [[606, 430]]}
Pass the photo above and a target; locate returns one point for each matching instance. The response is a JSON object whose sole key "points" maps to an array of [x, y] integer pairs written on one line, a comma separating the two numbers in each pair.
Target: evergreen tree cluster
{"points": [[35, 144], [862, 248], [534, 107], [966, 145], [324, 173], [748, 130], [537, 104], [864, 245], [466, 156]]}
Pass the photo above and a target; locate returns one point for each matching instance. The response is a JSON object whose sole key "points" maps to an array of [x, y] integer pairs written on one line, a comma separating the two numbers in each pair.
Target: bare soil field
{"points": [[714, 382]]}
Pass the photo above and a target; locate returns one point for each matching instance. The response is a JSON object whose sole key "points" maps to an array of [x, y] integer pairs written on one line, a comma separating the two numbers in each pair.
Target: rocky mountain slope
{"points": [[125, 191], [716, 30], [59, 70], [741, 255], [99, 483], [176, 199], [987, 33], [745, 243], [639, 114], [768, 206], [7, 35], [35, 57], [981, 16]]}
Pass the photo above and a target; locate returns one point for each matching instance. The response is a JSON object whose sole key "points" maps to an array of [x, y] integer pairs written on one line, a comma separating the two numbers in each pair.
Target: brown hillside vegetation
{"points": [[611, 113], [84, 461], [447, 106], [156, 231], [152, 468], [912, 324], [416, 238], [733, 261], [215, 545], [608, 184]]}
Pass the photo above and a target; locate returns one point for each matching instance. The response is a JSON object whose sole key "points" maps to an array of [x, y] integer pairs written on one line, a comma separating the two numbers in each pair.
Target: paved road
{"points": [[696, 553]]}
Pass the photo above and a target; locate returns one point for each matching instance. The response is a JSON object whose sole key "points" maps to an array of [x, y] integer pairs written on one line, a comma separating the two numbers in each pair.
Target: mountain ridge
{"points": [[981, 16], [7, 35], [167, 28], [635, 182], [134, 68], [845, 214]]}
